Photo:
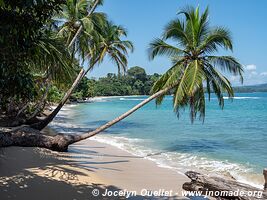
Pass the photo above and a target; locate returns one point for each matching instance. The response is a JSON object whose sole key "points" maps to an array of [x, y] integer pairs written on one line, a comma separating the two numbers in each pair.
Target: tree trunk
{"points": [[22, 109], [28, 137], [40, 125], [221, 188], [39, 105], [124, 115], [48, 119], [32, 138]]}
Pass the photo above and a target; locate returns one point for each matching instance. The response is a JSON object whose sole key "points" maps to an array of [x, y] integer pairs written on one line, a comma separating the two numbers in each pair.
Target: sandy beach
{"points": [[33, 173]]}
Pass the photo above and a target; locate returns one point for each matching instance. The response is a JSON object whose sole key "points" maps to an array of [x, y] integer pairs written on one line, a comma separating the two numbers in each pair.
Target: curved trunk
{"points": [[28, 137], [40, 105], [124, 115], [49, 118], [32, 138], [23, 109]]}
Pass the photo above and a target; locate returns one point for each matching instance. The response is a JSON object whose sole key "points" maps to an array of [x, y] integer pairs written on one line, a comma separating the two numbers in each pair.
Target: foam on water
{"points": [[241, 97], [182, 162], [131, 99]]}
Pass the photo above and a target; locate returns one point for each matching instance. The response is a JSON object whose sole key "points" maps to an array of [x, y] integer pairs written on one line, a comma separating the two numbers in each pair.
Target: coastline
{"points": [[89, 164], [178, 162]]}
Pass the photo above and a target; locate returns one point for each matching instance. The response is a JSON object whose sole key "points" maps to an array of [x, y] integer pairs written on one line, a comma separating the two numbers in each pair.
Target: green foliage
{"points": [[23, 26], [35, 52], [54, 94], [195, 63], [137, 73], [111, 45], [251, 88]]}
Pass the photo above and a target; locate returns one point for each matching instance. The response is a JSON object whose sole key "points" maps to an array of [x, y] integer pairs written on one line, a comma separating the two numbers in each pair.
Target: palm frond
{"points": [[228, 64], [159, 47]]}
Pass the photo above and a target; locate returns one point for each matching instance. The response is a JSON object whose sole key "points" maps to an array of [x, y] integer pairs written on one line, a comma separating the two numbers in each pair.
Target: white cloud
{"points": [[263, 74], [254, 73], [251, 67], [251, 76]]}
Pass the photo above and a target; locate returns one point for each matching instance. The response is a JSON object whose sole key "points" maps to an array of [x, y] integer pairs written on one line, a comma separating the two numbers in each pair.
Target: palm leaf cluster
{"points": [[197, 68], [112, 46], [99, 37]]}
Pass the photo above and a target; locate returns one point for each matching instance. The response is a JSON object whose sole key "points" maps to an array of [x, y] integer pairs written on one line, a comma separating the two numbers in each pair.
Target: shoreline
{"points": [[243, 175], [34, 173], [87, 166]]}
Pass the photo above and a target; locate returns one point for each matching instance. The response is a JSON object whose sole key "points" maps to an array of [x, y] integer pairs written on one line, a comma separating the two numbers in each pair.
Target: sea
{"points": [[231, 142]]}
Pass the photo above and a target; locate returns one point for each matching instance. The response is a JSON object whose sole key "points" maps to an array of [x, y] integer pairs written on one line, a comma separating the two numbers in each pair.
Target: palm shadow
{"points": [[19, 180]]}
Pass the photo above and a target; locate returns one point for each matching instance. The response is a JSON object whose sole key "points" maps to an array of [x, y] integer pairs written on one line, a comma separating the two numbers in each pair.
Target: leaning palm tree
{"points": [[49, 62], [196, 67], [107, 44]]}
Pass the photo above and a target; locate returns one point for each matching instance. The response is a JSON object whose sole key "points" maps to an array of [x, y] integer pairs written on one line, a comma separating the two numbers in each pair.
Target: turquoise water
{"points": [[232, 140]]}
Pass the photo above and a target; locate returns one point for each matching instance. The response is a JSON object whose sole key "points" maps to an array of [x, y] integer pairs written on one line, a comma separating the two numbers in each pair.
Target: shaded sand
{"points": [[34, 173], [124, 169]]}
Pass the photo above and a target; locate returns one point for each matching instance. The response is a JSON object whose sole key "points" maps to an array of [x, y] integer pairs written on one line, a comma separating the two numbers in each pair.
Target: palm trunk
{"points": [[42, 124], [23, 109], [124, 115], [40, 105], [30, 138]]}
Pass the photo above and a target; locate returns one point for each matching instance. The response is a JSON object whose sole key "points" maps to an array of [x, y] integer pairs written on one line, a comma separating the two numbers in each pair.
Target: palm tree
{"points": [[195, 66], [49, 62], [110, 45], [77, 24], [98, 39]]}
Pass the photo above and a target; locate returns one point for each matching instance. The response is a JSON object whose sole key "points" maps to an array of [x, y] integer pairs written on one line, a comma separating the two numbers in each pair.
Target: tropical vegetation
{"points": [[134, 82]]}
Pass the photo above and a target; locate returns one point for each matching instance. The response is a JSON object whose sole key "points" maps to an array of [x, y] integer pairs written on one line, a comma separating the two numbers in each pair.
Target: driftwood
{"points": [[221, 188], [265, 179], [25, 136]]}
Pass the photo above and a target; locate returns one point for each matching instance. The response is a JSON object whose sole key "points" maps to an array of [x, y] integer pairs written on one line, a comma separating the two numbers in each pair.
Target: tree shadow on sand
{"points": [[60, 178]]}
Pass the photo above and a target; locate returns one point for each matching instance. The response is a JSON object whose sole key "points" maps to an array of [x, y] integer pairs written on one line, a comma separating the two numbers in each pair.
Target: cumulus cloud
{"points": [[251, 67], [263, 74], [252, 76]]}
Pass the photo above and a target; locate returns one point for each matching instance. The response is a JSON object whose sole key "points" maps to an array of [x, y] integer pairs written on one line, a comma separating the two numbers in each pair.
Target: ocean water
{"points": [[232, 141]]}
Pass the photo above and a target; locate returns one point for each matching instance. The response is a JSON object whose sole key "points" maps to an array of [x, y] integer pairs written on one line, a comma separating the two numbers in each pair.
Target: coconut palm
{"points": [[76, 15], [195, 62], [112, 46], [195, 66], [49, 62], [99, 38]]}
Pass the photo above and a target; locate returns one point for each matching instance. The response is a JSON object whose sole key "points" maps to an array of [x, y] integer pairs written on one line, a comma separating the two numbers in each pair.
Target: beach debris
{"points": [[222, 188]]}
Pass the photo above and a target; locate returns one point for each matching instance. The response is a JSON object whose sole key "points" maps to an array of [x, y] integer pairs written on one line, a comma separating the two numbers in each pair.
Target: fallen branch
{"points": [[222, 188]]}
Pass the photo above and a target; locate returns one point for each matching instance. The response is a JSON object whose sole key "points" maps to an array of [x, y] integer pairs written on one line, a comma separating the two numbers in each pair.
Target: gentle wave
{"points": [[181, 162], [241, 97], [131, 99]]}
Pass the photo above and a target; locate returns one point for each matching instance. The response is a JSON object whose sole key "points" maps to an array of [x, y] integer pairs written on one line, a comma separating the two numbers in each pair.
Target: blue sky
{"points": [[145, 19]]}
